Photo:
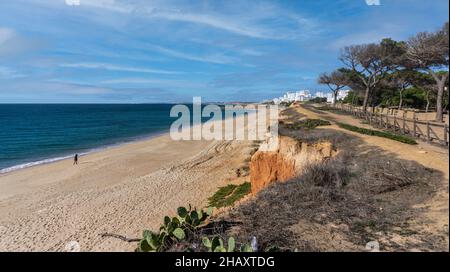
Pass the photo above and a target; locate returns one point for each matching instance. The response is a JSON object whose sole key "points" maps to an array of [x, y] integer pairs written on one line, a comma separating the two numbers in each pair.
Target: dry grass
{"points": [[291, 116], [362, 194], [342, 204], [331, 109]]}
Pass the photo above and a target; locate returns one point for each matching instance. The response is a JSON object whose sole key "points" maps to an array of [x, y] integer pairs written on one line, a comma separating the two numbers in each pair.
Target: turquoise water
{"points": [[32, 134]]}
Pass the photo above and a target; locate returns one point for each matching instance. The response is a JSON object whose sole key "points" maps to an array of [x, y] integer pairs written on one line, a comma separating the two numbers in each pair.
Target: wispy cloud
{"points": [[59, 92], [5, 34], [165, 13], [54, 88], [212, 21], [129, 50], [245, 20], [12, 43], [154, 82], [371, 32], [214, 58], [373, 2], [110, 5], [112, 67], [8, 73], [358, 38], [248, 22]]}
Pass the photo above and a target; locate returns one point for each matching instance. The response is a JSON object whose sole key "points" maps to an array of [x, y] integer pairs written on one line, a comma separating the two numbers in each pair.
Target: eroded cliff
{"points": [[283, 161]]}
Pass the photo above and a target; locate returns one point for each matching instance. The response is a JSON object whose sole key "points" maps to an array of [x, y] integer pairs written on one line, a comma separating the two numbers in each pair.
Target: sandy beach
{"points": [[121, 190]]}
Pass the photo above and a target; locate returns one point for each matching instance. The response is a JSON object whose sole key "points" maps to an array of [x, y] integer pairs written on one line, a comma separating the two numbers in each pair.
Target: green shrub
{"points": [[224, 192], [317, 100], [173, 229], [308, 124], [216, 244], [384, 134], [227, 195], [286, 104], [332, 109]]}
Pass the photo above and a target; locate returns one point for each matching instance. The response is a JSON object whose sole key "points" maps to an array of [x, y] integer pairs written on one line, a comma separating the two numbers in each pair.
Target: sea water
{"points": [[32, 134]]}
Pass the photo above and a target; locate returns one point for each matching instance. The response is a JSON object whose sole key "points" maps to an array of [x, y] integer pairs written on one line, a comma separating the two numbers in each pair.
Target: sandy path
{"points": [[428, 155], [121, 190]]}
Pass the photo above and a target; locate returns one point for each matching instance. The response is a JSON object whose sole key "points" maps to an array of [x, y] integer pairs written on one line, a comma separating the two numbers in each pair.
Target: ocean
{"points": [[32, 134]]}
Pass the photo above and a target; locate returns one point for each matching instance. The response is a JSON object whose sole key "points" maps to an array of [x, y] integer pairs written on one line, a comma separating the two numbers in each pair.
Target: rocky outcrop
{"points": [[283, 159]]}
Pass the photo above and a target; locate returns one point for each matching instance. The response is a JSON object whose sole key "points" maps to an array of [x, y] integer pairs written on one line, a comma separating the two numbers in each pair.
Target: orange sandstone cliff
{"points": [[283, 161]]}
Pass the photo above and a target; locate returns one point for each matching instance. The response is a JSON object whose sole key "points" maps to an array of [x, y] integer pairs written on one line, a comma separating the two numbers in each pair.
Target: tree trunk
{"points": [[366, 98], [440, 94], [440, 82], [335, 97], [400, 103], [427, 97]]}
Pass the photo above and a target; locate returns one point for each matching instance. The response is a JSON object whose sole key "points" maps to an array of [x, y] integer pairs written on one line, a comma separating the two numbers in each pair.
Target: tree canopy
{"points": [[396, 73]]}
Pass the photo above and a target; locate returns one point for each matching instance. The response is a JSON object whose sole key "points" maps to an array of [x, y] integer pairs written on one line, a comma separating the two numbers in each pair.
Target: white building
{"points": [[305, 95], [341, 95], [302, 95], [321, 95]]}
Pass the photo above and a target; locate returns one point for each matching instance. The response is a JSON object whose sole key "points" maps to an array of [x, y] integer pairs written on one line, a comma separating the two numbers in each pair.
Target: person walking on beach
{"points": [[75, 159]]}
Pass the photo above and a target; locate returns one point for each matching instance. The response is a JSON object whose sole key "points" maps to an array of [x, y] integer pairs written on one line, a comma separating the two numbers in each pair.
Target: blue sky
{"points": [[135, 51]]}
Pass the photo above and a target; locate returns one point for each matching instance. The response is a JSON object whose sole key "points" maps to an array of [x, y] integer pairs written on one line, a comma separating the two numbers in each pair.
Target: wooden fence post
{"points": [[445, 135], [395, 122], [387, 121], [415, 131], [381, 120], [404, 123]]}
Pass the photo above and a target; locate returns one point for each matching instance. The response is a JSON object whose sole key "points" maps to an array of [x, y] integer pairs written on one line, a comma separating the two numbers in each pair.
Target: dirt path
{"points": [[437, 158]]}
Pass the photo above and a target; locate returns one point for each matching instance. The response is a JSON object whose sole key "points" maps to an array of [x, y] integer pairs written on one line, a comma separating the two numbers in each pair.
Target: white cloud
{"points": [[6, 34], [359, 38], [12, 43], [77, 89], [53, 87], [161, 11], [229, 45], [9, 73], [251, 52], [247, 21], [373, 2], [212, 21], [155, 82], [111, 5], [215, 58], [244, 24], [73, 2], [112, 67]]}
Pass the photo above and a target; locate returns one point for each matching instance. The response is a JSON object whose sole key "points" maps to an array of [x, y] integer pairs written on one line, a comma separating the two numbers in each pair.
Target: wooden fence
{"points": [[431, 132]]}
